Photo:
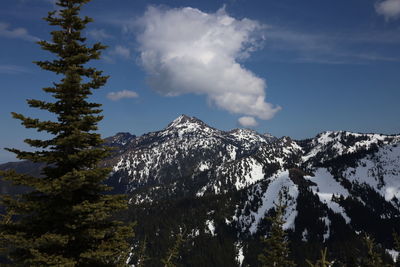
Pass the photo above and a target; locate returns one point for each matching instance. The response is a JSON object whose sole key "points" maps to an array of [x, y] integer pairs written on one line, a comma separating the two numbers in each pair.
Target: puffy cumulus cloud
{"points": [[247, 121], [185, 50], [17, 33], [115, 96], [388, 8]]}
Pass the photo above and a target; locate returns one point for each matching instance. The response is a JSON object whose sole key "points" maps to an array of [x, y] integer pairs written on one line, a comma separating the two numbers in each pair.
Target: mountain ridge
{"points": [[227, 182]]}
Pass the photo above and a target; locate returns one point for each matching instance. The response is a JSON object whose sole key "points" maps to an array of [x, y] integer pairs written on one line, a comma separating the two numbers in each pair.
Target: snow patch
{"points": [[393, 253], [337, 141], [327, 222], [210, 227], [304, 235], [381, 171], [279, 182], [240, 255], [129, 258], [203, 166], [327, 187], [254, 173]]}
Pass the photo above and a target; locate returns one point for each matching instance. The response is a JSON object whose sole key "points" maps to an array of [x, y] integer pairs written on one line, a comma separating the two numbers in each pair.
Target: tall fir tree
{"points": [[322, 262], [173, 252], [142, 256], [276, 246], [373, 258], [67, 219]]}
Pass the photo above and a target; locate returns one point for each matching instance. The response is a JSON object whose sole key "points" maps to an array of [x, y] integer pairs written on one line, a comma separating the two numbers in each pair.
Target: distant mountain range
{"points": [[216, 187]]}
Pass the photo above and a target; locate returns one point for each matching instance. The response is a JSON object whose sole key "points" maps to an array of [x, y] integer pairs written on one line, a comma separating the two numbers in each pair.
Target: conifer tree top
{"points": [[66, 220]]}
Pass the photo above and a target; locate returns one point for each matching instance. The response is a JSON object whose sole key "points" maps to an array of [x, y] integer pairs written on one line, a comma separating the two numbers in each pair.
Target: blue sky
{"points": [[286, 67]]}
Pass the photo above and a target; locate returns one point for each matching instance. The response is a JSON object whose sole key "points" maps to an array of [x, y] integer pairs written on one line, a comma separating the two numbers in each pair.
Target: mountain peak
{"points": [[268, 135], [184, 119], [120, 139]]}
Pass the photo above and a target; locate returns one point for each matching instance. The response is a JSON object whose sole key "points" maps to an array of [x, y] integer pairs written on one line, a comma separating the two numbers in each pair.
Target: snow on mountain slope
{"points": [[187, 147], [249, 139], [266, 160], [331, 183], [283, 152], [174, 151], [328, 144], [234, 174], [327, 188], [260, 202], [381, 171], [184, 126], [218, 162]]}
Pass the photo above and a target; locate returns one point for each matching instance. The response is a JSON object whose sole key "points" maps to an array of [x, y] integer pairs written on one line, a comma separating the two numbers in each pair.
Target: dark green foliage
{"points": [[66, 219], [173, 252], [373, 258], [276, 247], [142, 257], [160, 222], [310, 219], [375, 206]]}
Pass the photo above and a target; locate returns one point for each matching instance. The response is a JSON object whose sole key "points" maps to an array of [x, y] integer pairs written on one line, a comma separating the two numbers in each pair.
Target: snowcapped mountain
{"points": [[187, 147], [330, 144], [331, 183], [214, 183]]}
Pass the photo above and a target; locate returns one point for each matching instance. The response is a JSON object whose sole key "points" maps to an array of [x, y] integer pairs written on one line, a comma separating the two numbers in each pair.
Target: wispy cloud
{"points": [[99, 34], [16, 33], [332, 48], [121, 51], [13, 69], [390, 9], [115, 96], [46, 1], [376, 57], [118, 51]]}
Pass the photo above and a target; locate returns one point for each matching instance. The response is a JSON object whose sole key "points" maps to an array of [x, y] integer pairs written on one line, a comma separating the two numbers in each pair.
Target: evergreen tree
{"points": [[373, 258], [142, 255], [322, 262], [173, 253], [67, 218], [276, 248]]}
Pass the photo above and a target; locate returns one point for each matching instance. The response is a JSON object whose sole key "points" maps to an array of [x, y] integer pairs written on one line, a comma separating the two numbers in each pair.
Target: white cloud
{"points": [[115, 96], [17, 33], [185, 50], [388, 8], [247, 121], [99, 34]]}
